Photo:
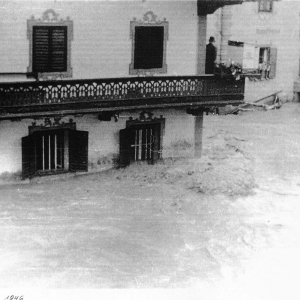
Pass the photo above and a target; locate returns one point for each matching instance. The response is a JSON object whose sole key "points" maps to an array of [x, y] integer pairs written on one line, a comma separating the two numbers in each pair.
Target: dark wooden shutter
{"points": [[273, 62], [59, 49], [49, 49], [41, 49], [125, 140], [78, 150], [149, 47], [28, 156], [156, 143]]}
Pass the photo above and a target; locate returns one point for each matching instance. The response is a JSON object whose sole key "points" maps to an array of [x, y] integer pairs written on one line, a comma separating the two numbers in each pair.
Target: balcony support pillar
{"points": [[201, 51], [198, 131]]}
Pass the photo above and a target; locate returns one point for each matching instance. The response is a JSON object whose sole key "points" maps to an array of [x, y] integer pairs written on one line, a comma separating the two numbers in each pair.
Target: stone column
{"points": [[226, 16], [198, 135], [201, 53]]}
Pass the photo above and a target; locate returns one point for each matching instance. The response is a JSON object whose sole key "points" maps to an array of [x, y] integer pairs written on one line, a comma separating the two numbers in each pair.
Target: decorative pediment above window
{"points": [[49, 17], [50, 45], [149, 18], [48, 124]]}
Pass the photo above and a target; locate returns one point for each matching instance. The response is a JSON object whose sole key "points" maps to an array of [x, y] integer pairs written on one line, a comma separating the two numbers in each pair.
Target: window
{"points": [[141, 141], [50, 45], [265, 5], [51, 151], [264, 55], [267, 62], [148, 45], [50, 49]]}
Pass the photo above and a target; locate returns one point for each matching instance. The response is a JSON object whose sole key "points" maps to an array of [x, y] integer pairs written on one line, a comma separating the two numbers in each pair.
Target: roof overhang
{"points": [[206, 7]]}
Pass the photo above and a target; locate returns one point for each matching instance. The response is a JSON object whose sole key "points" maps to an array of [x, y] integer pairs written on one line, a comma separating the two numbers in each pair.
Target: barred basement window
{"points": [[265, 5], [50, 45], [50, 148], [53, 151], [141, 141], [149, 40]]}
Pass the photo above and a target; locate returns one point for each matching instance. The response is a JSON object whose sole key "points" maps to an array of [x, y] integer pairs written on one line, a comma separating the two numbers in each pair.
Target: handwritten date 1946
{"points": [[14, 297]]}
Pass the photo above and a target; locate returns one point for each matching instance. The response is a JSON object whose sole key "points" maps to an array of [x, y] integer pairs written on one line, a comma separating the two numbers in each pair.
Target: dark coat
{"points": [[211, 55]]}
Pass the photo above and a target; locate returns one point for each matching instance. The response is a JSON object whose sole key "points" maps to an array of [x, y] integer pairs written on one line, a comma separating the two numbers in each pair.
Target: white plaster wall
{"points": [[214, 29], [102, 45], [103, 146], [279, 29], [10, 144]]}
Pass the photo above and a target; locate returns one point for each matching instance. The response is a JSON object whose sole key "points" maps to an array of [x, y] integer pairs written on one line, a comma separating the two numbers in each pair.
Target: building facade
{"points": [[89, 85], [265, 36]]}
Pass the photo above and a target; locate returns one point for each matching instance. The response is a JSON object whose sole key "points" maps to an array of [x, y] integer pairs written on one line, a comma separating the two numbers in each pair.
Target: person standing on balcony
{"points": [[211, 55]]}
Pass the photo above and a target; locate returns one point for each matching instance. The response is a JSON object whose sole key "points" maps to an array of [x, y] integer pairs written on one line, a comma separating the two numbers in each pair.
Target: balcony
{"points": [[34, 99]]}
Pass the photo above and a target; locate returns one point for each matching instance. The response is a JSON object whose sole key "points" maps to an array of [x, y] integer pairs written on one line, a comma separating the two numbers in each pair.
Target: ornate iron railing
{"points": [[118, 91]]}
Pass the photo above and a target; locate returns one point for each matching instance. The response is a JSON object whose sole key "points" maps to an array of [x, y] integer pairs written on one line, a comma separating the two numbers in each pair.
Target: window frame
{"points": [[50, 18], [39, 136], [271, 62], [262, 6], [149, 20], [73, 146], [51, 57], [266, 48], [158, 126]]}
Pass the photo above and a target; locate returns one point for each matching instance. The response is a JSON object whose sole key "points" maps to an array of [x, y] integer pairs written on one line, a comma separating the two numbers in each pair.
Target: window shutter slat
{"points": [[49, 49], [273, 62], [28, 156], [78, 150]]}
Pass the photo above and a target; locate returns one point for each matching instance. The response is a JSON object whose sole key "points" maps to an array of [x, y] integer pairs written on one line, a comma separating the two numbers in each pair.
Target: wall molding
{"points": [[49, 125]]}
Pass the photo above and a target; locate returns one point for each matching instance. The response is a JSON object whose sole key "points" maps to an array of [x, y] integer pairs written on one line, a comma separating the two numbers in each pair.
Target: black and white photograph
{"points": [[150, 149]]}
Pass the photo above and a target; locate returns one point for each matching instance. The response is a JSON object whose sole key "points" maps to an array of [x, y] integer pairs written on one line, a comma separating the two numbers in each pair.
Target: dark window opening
{"points": [[264, 55], [49, 52], [265, 5], [267, 62], [148, 47]]}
